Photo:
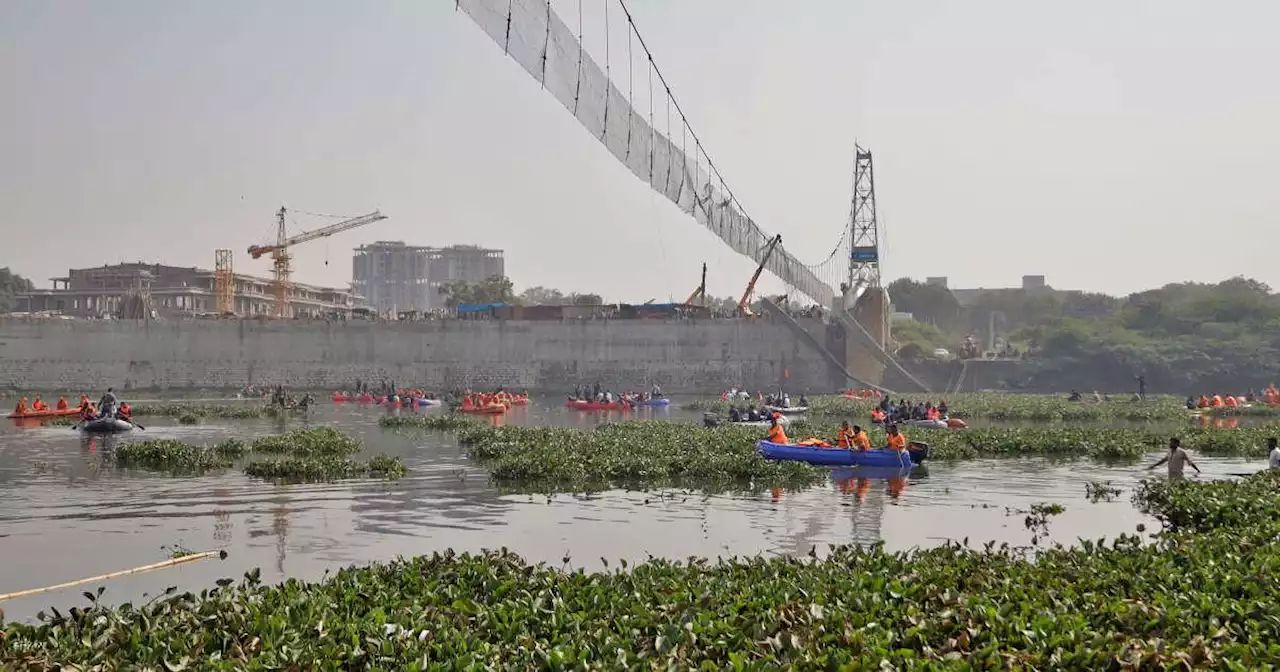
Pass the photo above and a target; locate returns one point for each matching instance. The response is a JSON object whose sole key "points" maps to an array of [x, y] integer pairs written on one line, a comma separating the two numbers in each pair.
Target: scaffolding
{"points": [[223, 283]]}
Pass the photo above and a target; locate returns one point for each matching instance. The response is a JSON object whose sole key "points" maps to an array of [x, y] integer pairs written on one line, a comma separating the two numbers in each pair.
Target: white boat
{"points": [[788, 410], [926, 424], [784, 421]]}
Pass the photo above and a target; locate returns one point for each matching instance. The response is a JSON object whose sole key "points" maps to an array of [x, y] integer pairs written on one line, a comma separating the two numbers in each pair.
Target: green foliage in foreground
{"points": [[1200, 595], [1029, 407], [630, 454], [316, 454]]}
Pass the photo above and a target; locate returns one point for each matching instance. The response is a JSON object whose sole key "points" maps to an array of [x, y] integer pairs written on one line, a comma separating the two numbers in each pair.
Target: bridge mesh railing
{"points": [[638, 120]]}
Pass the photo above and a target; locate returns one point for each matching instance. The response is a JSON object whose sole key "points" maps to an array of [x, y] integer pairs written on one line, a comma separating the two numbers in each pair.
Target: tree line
{"points": [[1185, 337]]}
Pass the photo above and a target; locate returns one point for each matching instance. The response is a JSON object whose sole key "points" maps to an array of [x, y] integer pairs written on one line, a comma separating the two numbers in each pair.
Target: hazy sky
{"points": [[1108, 145]]}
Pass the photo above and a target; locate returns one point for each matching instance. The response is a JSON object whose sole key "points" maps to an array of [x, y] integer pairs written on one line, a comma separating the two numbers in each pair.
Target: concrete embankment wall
{"points": [[682, 356]]}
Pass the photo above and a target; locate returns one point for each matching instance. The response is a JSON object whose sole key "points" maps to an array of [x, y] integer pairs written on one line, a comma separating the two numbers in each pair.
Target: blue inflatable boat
{"points": [[843, 457]]}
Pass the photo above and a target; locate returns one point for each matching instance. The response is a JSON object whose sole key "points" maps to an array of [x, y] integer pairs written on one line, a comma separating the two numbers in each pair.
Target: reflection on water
{"points": [[63, 515]]}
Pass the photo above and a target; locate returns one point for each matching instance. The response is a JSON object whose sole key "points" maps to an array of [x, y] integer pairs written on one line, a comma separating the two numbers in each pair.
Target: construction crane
{"points": [[279, 251], [743, 309], [700, 292]]}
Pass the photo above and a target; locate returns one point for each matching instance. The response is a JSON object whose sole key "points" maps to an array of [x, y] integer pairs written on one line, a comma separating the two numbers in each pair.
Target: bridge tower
{"points": [[864, 294]]}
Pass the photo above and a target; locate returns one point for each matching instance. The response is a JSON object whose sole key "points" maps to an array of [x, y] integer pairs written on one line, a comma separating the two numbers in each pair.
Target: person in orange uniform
{"points": [[846, 436], [21, 408], [125, 410], [776, 434], [1217, 401], [39, 405], [62, 404], [1231, 402], [896, 440], [1203, 402], [860, 439]]}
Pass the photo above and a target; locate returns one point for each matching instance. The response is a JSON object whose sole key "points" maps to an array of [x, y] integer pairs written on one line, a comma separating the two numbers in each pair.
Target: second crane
{"points": [[282, 269]]}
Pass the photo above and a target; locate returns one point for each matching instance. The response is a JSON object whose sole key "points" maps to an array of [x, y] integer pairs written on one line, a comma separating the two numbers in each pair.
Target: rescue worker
{"points": [[125, 410], [39, 405], [21, 408], [62, 404], [896, 441], [107, 405], [860, 439], [776, 434], [846, 436]]}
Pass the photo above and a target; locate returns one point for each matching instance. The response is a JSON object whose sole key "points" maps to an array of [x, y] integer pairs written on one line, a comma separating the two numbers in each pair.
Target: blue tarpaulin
{"points": [[479, 307]]}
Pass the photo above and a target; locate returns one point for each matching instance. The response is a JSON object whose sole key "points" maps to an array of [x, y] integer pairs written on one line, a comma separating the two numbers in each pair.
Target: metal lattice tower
{"points": [[864, 252], [223, 283]]}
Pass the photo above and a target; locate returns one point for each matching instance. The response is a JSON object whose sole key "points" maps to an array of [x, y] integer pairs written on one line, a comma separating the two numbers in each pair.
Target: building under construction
{"points": [[138, 290], [392, 277]]}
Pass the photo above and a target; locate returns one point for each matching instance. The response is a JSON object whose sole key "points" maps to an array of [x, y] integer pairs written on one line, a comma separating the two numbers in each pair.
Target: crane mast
{"points": [[743, 308], [281, 260]]}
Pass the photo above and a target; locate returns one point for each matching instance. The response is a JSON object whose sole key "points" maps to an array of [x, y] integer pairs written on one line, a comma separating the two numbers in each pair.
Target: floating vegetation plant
{"points": [[318, 454], [1105, 443], [199, 411], [630, 454], [317, 441], [1199, 595], [1031, 407], [1101, 491], [1251, 504], [173, 456], [323, 468], [443, 422]]}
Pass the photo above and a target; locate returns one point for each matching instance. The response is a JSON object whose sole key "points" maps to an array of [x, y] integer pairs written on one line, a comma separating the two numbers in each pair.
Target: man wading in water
{"points": [[1177, 459]]}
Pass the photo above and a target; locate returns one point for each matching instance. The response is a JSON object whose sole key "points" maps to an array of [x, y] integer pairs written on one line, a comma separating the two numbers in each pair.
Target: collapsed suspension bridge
{"points": [[640, 122]]}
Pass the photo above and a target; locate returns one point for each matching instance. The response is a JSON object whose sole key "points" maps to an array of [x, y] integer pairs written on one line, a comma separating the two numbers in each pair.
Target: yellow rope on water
{"points": [[172, 562]]}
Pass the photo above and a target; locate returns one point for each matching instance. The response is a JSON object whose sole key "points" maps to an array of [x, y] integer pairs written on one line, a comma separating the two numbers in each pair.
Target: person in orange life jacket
{"points": [[39, 405], [860, 439], [125, 410], [21, 407], [896, 441], [846, 436], [776, 434], [62, 403]]}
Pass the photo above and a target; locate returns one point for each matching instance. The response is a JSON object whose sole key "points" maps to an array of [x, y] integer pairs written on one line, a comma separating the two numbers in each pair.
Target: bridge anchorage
{"points": [[640, 122]]}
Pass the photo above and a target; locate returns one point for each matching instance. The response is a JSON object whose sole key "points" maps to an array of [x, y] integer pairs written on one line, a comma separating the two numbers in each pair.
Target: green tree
{"points": [[12, 284], [541, 296], [495, 289], [933, 304]]}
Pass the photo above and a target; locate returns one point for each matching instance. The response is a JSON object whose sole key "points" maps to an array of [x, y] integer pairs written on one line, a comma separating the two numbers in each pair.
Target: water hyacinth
{"points": [[1104, 443], [629, 454], [440, 422], [174, 456], [323, 468], [1198, 596], [306, 442], [318, 454], [186, 412], [1017, 407]]}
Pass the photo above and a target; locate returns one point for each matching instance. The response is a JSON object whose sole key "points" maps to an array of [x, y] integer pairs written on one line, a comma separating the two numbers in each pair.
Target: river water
{"points": [[63, 516]]}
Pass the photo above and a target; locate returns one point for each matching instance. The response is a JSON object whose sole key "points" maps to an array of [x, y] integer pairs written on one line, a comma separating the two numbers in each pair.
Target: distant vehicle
{"points": [[942, 353]]}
